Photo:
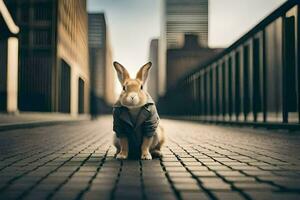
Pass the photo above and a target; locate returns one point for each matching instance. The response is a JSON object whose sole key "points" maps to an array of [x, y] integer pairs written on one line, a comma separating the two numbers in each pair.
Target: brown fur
{"points": [[134, 96]]}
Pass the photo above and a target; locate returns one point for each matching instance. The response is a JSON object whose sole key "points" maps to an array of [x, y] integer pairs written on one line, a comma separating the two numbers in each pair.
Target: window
{"points": [[80, 96], [41, 37], [42, 12]]}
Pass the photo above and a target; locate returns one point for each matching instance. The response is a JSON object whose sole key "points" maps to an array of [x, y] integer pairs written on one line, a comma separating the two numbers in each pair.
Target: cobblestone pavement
{"points": [[75, 161]]}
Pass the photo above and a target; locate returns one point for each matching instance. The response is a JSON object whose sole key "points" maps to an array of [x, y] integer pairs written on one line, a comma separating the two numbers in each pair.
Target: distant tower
{"points": [[180, 17], [101, 70], [186, 16], [97, 37]]}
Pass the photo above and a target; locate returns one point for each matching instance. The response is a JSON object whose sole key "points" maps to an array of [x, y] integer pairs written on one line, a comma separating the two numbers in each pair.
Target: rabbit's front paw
{"points": [[122, 155], [146, 156], [156, 154]]}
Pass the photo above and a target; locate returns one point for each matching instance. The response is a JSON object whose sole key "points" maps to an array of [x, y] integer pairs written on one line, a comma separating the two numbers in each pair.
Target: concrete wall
{"points": [[72, 47]]}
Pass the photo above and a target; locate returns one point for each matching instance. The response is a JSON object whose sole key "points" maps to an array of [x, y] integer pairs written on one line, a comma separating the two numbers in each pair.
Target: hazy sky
{"points": [[133, 23]]}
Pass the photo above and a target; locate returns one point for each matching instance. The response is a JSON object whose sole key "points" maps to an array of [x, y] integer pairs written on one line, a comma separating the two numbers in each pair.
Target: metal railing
{"points": [[254, 81]]}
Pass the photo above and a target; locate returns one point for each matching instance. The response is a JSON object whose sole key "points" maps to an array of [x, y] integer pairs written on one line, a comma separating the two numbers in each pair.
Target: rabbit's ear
{"points": [[142, 74], [122, 72]]}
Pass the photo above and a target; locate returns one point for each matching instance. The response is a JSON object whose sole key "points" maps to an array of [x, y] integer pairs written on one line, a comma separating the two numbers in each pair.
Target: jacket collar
{"points": [[142, 116]]}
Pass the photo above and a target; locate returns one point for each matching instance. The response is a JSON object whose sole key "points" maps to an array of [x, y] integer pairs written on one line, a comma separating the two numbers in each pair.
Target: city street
{"points": [[200, 161]]}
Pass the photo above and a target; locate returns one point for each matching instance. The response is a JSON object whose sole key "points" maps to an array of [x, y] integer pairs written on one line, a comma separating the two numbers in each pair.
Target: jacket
{"points": [[145, 125]]}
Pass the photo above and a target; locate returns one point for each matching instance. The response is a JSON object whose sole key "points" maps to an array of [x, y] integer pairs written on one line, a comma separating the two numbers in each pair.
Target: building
{"points": [[183, 60], [152, 85], [101, 70], [179, 18], [53, 57], [188, 16], [9, 49], [255, 81]]}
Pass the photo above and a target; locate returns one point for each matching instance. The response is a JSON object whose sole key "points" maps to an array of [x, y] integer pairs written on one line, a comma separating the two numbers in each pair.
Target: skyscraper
{"points": [[186, 16], [53, 56], [180, 17], [182, 60], [101, 69]]}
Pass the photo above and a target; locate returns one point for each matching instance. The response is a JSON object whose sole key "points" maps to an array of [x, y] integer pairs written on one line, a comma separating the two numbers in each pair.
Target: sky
{"points": [[230, 19], [133, 23]]}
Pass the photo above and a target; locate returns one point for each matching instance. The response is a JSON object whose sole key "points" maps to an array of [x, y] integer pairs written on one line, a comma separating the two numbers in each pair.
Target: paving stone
{"points": [[172, 164], [186, 186], [204, 173], [258, 173], [156, 175], [179, 174], [84, 173], [262, 195], [76, 161], [128, 194], [197, 168], [199, 195], [183, 180], [104, 180], [220, 168], [210, 179], [246, 167], [45, 186], [60, 195], [37, 195], [156, 181], [161, 196], [157, 189], [216, 186], [254, 186], [228, 195], [176, 169], [101, 187], [230, 173], [240, 179], [96, 195], [193, 163], [11, 194]]}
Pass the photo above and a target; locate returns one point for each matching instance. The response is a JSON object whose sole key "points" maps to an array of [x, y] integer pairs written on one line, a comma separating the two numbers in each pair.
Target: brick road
{"points": [[75, 161]]}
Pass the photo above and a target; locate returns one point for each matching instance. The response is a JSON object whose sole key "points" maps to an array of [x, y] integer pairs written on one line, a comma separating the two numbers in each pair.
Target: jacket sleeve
{"points": [[150, 125], [118, 124]]}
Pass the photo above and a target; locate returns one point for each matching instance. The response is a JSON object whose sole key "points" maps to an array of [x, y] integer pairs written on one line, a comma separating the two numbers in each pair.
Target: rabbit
{"points": [[135, 118]]}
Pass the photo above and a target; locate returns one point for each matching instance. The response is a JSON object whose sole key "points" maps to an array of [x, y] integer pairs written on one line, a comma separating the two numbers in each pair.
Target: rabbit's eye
{"points": [[141, 87], [124, 87]]}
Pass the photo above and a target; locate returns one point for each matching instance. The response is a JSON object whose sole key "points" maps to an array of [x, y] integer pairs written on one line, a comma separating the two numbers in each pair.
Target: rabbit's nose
{"points": [[132, 97]]}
